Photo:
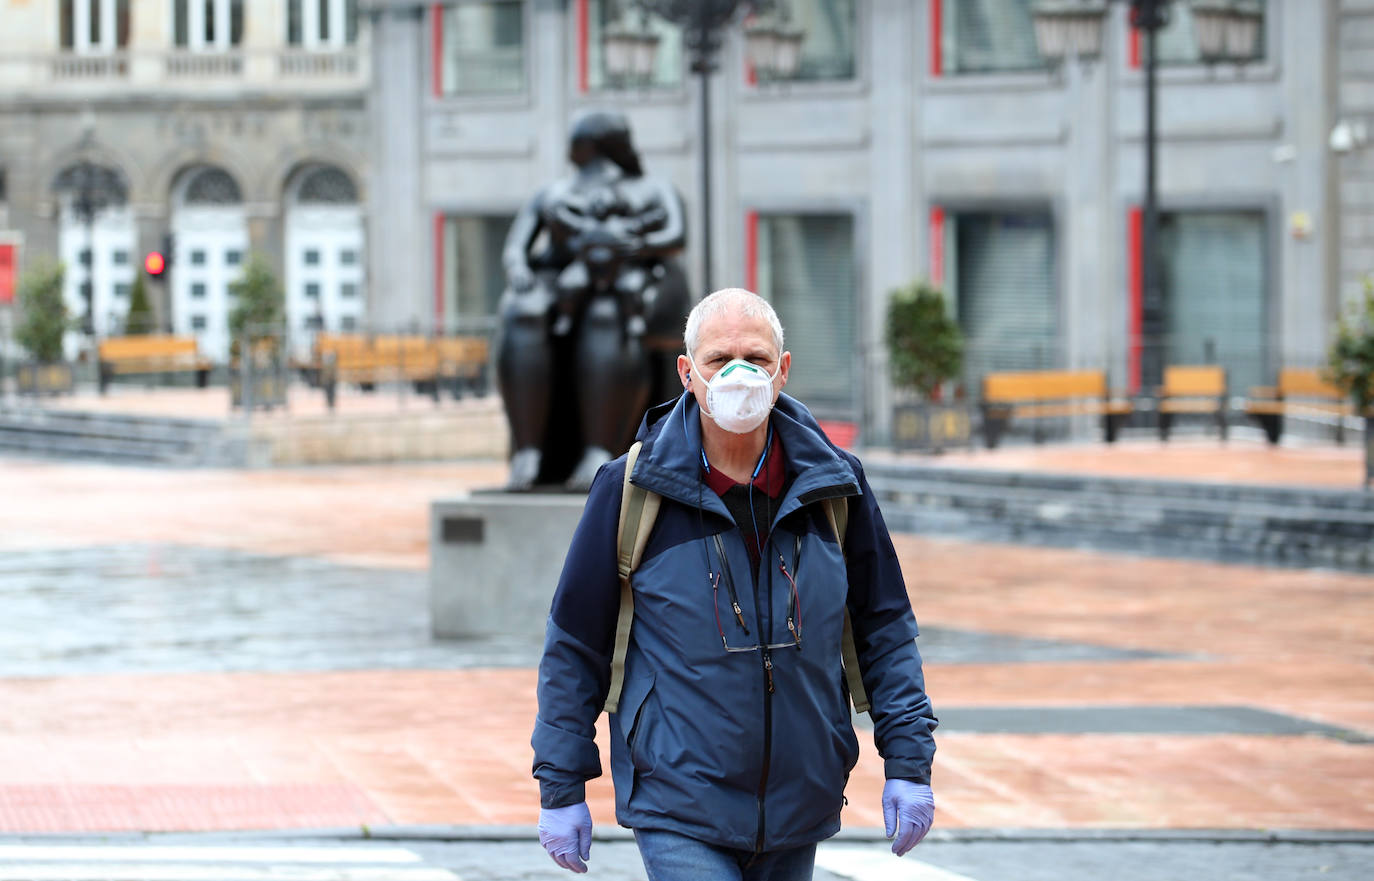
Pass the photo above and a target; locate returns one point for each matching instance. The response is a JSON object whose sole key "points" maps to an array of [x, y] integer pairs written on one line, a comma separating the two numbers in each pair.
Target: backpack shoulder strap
{"points": [[638, 510], [837, 512]]}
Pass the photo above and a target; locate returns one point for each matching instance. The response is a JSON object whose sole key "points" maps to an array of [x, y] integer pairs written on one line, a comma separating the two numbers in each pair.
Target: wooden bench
{"points": [[1191, 390], [1049, 394], [427, 363], [1301, 390], [154, 353]]}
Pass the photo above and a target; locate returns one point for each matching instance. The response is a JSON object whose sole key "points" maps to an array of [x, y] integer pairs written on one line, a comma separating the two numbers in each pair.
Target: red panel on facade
{"points": [[436, 18], [937, 245], [751, 250], [438, 271], [841, 433], [936, 26], [583, 32], [1133, 48], [1135, 287], [9, 258]]}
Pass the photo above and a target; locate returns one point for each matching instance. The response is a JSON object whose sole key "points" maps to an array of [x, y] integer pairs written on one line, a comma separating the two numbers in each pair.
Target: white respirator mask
{"points": [[740, 396]]}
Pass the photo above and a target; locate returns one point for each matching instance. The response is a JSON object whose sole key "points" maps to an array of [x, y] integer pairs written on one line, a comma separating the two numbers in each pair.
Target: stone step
{"points": [[1268, 525], [117, 437]]}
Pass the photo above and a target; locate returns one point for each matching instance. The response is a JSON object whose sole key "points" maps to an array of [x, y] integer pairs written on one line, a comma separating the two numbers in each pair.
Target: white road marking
{"points": [[878, 864], [213, 863], [210, 872], [242, 854]]}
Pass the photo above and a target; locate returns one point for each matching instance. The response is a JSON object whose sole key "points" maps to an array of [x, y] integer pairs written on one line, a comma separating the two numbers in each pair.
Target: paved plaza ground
{"points": [[201, 651]]}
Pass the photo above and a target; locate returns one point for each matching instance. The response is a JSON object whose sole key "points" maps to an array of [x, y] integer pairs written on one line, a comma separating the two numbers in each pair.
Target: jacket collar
{"points": [[670, 461]]}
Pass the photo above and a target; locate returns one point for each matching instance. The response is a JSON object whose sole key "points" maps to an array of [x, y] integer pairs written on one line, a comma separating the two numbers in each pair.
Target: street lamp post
{"points": [[1227, 30], [773, 47]]}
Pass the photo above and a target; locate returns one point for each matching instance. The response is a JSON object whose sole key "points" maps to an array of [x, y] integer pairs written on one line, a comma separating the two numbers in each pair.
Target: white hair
{"points": [[736, 300]]}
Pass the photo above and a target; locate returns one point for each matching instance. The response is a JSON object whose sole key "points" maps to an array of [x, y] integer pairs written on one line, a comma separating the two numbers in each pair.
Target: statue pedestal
{"points": [[494, 561]]}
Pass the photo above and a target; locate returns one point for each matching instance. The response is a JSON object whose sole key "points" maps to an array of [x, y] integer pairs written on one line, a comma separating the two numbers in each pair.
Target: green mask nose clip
{"points": [[739, 366]]}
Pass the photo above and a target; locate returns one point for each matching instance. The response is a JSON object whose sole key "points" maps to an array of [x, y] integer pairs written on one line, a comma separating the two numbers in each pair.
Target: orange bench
{"points": [[1192, 390], [426, 362], [151, 353], [1048, 394], [1301, 391]]}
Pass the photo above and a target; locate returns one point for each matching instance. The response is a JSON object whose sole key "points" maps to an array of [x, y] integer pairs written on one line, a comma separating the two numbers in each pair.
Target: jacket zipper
{"points": [[765, 637]]}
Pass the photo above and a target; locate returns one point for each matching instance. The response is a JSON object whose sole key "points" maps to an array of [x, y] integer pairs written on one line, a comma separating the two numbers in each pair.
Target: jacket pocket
{"points": [[631, 718]]}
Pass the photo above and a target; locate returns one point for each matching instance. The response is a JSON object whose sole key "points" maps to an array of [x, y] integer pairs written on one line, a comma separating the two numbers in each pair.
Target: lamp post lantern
{"points": [[772, 45], [1227, 30]]}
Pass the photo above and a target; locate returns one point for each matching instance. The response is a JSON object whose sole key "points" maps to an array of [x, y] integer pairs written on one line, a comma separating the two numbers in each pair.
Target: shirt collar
{"points": [[772, 476]]}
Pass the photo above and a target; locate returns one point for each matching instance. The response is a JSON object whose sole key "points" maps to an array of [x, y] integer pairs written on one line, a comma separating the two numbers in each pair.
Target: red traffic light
{"points": [[155, 263]]}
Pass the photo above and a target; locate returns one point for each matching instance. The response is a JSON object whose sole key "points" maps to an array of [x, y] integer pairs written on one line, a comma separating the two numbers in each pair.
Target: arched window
{"points": [[207, 24], [93, 25], [321, 23], [212, 186], [327, 185]]}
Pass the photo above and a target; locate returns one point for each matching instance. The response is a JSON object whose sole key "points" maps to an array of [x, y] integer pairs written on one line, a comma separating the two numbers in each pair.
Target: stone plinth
{"points": [[494, 560]]}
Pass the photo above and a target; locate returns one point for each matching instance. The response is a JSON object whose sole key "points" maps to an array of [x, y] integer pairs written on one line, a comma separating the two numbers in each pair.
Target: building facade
{"points": [[208, 129], [919, 139]]}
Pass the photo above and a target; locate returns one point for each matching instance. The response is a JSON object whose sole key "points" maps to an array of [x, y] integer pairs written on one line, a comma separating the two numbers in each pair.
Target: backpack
{"points": [[638, 510]]}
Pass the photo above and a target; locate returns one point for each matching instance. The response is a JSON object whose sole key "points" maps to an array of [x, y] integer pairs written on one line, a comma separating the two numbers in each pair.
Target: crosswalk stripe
{"points": [[242, 854], [86, 871], [878, 864]]}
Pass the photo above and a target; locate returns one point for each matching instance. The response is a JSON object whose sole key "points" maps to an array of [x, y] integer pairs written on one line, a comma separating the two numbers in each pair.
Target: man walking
{"points": [[731, 737]]}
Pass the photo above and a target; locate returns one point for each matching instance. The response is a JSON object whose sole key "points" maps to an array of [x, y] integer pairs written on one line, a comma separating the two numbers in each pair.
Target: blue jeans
{"points": [[669, 856]]}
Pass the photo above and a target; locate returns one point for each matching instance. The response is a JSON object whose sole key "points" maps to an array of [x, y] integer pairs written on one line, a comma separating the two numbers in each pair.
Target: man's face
{"points": [[728, 336]]}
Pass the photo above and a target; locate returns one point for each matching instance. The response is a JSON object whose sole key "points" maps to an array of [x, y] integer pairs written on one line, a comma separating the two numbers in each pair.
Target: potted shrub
{"points": [[257, 338], [43, 323], [1350, 365], [140, 318], [925, 351]]}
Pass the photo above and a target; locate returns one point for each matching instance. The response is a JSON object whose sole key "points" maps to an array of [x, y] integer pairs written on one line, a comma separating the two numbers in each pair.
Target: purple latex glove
{"points": [[908, 811], [566, 834]]}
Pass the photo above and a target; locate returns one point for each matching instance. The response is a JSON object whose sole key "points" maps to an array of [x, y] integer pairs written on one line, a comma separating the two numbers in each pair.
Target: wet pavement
{"points": [[208, 650]]}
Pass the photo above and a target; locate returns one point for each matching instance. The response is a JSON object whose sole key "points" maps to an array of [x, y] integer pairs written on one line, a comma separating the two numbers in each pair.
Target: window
{"points": [[482, 47], [93, 25], [312, 257], [348, 322], [120, 258], [348, 257], [198, 322], [828, 49], [348, 290], [473, 276], [314, 322], [121, 290], [1214, 293], [1004, 287], [198, 290], [84, 258], [233, 258], [207, 24], [806, 269], [198, 258], [312, 290], [602, 14], [1178, 39], [979, 36], [321, 23]]}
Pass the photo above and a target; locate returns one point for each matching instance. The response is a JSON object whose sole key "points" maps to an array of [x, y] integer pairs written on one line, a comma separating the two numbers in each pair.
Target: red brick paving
{"points": [[451, 747]]}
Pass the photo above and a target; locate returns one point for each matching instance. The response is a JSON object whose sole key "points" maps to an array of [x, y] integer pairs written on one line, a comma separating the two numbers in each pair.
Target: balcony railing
{"points": [[296, 67], [204, 65], [297, 63], [70, 66]]}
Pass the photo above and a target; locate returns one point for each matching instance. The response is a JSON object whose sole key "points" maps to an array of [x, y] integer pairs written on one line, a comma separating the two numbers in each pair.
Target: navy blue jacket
{"points": [[747, 748]]}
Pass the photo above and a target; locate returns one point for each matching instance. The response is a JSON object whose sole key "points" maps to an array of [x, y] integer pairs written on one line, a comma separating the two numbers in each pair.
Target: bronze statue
{"points": [[591, 319]]}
